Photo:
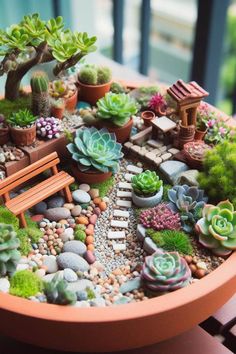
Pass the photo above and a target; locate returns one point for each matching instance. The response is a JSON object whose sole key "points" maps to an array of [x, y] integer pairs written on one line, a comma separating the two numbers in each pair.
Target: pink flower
{"points": [[222, 130], [211, 123], [156, 102]]}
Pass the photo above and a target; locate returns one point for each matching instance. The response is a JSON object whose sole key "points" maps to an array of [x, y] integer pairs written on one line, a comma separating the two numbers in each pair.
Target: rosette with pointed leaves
{"points": [[96, 149], [165, 271], [146, 183], [188, 201], [9, 256], [116, 108], [217, 228]]}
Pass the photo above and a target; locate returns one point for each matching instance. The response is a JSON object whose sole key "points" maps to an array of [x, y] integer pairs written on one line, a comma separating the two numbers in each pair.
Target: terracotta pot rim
{"points": [[94, 86], [24, 129], [151, 307]]}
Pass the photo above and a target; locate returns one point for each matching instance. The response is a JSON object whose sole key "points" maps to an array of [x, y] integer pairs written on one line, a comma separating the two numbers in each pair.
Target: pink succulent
{"points": [[222, 130], [211, 123], [160, 217], [157, 102]]}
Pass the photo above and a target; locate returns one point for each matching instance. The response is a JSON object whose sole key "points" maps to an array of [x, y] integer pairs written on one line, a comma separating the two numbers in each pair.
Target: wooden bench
{"points": [[59, 181]]}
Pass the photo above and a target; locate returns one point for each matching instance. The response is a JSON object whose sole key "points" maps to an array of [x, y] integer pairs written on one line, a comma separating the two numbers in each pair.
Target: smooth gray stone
{"points": [[72, 261], [75, 246], [130, 285], [171, 169], [149, 246]]}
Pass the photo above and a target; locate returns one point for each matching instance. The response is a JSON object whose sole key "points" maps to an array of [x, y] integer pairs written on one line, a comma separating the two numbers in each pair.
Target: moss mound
{"points": [[8, 107], [25, 283]]}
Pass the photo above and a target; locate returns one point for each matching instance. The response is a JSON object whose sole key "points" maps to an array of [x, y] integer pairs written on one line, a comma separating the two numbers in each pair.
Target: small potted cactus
{"points": [[147, 189], [67, 91], [22, 127], [40, 95], [94, 82], [9, 255], [4, 131], [96, 155], [115, 112]]}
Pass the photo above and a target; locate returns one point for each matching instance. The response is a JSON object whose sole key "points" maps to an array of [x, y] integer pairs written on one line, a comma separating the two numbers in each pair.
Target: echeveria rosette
{"points": [[165, 271], [116, 107], [217, 228], [146, 183], [188, 201], [96, 149]]}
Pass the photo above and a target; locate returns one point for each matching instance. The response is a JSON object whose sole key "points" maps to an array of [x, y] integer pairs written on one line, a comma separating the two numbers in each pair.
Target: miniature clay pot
{"points": [[147, 117], [89, 176], [111, 326], [148, 202], [186, 134], [57, 112], [23, 137], [4, 135], [92, 93], [199, 134], [71, 102], [122, 133]]}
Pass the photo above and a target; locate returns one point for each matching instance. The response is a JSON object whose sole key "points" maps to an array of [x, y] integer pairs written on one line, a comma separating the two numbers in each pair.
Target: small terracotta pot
{"points": [[199, 134], [71, 102], [57, 112], [122, 133], [4, 135], [23, 137], [89, 176], [147, 117], [92, 93]]}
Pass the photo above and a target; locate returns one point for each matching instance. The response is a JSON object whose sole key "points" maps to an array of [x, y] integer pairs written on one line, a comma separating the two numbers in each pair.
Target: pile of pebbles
{"points": [[10, 153]]}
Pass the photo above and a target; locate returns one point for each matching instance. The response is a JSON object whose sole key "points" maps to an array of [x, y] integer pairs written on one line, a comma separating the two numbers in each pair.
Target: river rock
{"points": [[188, 177], [56, 202], [48, 277], [40, 208], [172, 169], [56, 214], [80, 285], [75, 246], [72, 261], [81, 196], [67, 234], [51, 263], [4, 285], [130, 285], [94, 193], [76, 211], [98, 302], [122, 300], [90, 257], [70, 275], [84, 187]]}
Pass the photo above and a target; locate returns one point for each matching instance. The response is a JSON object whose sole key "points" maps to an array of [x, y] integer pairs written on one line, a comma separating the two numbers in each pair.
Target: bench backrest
{"points": [[28, 172]]}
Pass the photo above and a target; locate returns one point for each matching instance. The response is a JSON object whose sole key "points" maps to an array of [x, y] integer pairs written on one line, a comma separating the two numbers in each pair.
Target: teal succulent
{"points": [[96, 149], [146, 183], [188, 201], [9, 255], [165, 271], [56, 292], [116, 108], [217, 228]]}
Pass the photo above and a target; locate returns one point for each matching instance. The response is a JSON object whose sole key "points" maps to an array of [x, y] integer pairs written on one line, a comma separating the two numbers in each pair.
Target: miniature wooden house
{"points": [[188, 97]]}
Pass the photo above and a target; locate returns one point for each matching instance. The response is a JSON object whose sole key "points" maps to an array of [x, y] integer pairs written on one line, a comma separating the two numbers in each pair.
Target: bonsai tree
{"points": [[33, 41]]}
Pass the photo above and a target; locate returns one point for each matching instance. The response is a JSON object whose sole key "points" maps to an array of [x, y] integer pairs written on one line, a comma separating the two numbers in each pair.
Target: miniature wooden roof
{"points": [[186, 92]]}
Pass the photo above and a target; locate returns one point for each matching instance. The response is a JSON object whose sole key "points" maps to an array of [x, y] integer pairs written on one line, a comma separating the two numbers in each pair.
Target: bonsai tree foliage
{"points": [[33, 41]]}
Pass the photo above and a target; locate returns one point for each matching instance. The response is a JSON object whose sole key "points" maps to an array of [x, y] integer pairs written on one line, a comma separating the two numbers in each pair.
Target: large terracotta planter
{"points": [[91, 176], [118, 327], [122, 133], [92, 93], [23, 137]]}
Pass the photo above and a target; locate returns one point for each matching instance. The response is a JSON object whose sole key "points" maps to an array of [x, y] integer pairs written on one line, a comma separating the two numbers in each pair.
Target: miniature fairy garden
{"points": [[151, 209]]}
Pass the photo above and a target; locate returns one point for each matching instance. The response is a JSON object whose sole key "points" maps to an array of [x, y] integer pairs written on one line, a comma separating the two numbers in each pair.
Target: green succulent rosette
{"points": [[116, 107], [146, 183], [165, 271], [217, 228], [96, 149]]}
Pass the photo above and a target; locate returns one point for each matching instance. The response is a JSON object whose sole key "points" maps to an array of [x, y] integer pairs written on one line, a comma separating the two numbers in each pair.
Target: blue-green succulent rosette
{"points": [[96, 149], [165, 271], [217, 228]]}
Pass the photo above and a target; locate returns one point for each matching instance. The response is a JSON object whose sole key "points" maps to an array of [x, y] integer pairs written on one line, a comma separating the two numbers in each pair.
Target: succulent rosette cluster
{"points": [[48, 128], [146, 183], [160, 217], [217, 228], [188, 201], [96, 149], [165, 271]]}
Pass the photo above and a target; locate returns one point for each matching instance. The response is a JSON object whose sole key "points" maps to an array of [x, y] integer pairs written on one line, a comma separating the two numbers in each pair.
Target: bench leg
{"points": [[22, 220], [68, 195]]}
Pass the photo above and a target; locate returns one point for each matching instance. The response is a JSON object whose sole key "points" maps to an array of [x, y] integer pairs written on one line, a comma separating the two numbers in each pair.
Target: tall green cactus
{"points": [[40, 97], [9, 256]]}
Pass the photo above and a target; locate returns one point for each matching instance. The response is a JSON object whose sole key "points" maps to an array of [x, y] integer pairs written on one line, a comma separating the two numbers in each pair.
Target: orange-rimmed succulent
{"points": [[217, 228]]}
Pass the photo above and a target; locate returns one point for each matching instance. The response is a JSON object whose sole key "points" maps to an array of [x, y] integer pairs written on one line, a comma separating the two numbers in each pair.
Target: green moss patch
{"points": [[104, 187], [25, 283], [8, 107], [6, 217]]}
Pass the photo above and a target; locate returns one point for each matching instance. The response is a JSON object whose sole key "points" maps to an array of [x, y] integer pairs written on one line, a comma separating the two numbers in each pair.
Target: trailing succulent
{"points": [[188, 201], [165, 271], [96, 149], [9, 255], [116, 108], [160, 217], [146, 183], [217, 228], [56, 292]]}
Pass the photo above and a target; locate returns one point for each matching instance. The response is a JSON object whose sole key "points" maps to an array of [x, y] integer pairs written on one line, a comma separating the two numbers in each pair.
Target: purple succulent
{"points": [[165, 271], [160, 217], [49, 127]]}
